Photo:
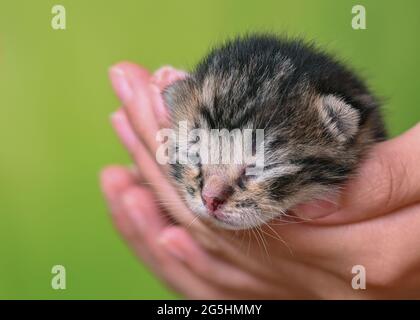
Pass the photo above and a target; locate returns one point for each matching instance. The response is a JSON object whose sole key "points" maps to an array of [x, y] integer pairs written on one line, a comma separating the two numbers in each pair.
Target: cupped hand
{"points": [[375, 222]]}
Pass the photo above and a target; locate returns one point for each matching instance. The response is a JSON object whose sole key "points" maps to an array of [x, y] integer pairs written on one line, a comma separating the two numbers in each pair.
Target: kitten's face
{"points": [[305, 140]]}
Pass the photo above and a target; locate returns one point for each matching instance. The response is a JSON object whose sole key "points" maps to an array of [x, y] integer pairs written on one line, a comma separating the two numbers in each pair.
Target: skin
{"points": [[374, 222]]}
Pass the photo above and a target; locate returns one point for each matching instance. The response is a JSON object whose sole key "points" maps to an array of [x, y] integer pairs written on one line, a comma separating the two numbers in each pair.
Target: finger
{"points": [[130, 232], [132, 85], [368, 243], [150, 170], [160, 80], [144, 215], [181, 245], [387, 180], [167, 75], [121, 194], [124, 131], [114, 180]]}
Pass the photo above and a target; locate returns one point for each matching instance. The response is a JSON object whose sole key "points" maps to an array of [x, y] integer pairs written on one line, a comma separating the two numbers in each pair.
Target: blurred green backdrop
{"points": [[55, 100]]}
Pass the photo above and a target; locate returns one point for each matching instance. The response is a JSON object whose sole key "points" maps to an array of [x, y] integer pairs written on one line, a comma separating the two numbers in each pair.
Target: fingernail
{"points": [[315, 209], [121, 84], [123, 130], [172, 247], [167, 75]]}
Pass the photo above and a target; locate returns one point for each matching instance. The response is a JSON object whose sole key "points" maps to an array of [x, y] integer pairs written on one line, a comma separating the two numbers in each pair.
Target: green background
{"points": [[55, 101]]}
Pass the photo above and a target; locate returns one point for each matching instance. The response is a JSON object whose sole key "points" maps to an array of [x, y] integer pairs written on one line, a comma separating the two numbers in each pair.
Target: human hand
{"points": [[299, 260]]}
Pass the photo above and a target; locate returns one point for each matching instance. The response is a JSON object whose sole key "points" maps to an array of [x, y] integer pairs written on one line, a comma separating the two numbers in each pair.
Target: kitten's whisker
{"points": [[263, 242], [285, 214], [190, 224], [249, 242], [278, 237], [256, 238]]}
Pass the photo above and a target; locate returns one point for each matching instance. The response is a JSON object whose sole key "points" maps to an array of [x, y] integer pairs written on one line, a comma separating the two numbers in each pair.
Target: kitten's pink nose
{"points": [[215, 192], [212, 203]]}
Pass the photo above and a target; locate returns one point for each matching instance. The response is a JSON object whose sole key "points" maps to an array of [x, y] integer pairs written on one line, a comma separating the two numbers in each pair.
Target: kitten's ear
{"points": [[178, 92], [340, 118]]}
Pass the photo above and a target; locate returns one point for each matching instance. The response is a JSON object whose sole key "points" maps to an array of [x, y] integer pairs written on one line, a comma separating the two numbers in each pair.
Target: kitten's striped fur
{"points": [[319, 120]]}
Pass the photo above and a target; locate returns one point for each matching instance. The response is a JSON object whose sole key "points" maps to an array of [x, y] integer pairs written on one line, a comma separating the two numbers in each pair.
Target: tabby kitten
{"points": [[319, 120]]}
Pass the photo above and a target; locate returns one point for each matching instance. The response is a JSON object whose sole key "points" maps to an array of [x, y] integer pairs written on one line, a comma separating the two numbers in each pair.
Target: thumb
{"points": [[388, 180]]}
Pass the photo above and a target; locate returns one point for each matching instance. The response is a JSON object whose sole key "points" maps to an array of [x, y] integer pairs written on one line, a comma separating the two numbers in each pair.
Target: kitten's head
{"points": [[311, 142]]}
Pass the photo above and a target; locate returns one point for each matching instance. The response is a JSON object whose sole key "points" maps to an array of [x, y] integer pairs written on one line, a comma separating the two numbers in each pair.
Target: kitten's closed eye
{"points": [[241, 182], [191, 190]]}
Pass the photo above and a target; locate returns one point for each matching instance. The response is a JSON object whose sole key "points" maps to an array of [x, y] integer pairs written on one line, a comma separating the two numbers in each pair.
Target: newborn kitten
{"points": [[319, 120]]}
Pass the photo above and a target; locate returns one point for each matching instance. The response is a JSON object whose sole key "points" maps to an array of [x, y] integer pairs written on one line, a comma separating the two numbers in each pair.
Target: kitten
{"points": [[319, 120]]}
